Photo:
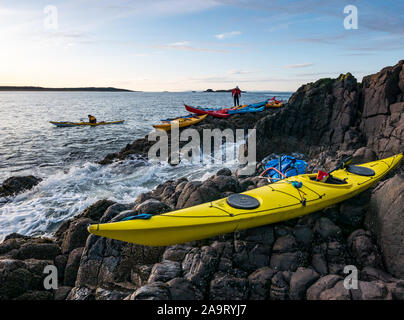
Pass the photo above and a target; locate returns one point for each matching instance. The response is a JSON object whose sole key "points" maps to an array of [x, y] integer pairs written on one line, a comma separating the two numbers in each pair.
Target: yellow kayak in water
{"points": [[181, 122], [74, 124], [286, 199]]}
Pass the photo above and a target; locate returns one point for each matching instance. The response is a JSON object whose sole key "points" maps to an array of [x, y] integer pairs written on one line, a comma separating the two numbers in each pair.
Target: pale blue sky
{"points": [[181, 45]]}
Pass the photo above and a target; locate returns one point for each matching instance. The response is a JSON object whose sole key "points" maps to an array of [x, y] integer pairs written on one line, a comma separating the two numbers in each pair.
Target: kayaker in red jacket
{"points": [[236, 93]]}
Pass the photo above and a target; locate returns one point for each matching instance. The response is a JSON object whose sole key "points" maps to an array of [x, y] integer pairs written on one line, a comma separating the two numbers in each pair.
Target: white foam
{"points": [[64, 194]]}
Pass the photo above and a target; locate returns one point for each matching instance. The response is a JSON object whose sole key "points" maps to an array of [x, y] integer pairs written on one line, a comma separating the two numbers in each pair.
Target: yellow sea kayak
{"points": [[286, 199], [181, 122], [74, 124], [274, 105]]}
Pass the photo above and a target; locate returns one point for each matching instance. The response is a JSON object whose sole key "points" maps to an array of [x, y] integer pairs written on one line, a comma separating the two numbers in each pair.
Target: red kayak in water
{"points": [[218, 113]]}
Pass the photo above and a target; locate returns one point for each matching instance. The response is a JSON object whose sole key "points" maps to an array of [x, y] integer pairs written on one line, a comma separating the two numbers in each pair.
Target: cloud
{"points": [[281, 26], [162, 7], [231, 80], [326, 39], [299, 65], [186, 46], [225, 35], [326, 74], [316, 74], [90, 15], [179, 44], [238, 72], [379, 47], [5, 12], [358, 54], [372, 15]]}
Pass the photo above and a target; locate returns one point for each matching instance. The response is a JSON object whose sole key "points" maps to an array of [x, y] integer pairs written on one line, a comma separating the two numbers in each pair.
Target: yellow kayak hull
{"points": [[180, 122], [277, 202], [274, 105]]}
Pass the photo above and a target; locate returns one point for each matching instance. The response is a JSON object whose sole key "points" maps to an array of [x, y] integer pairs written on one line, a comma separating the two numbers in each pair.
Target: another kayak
{"points": [[180, 121], [218, 113], [74, 124], [176, 118], [286, 199], [246, 109], [226, 112], [258, 104], [273, 103]]}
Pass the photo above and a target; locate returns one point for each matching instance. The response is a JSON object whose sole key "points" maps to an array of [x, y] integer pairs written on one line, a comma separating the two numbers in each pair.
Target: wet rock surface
{"points": [[300, 259], [15, 185]]}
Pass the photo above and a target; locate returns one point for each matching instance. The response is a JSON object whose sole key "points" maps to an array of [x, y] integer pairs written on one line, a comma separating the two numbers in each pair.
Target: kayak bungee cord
{"points": [[297, 186]]}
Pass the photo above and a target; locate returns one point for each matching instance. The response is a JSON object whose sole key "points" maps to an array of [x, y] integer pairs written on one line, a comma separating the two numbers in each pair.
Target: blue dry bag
{"points": [[289, 167]]}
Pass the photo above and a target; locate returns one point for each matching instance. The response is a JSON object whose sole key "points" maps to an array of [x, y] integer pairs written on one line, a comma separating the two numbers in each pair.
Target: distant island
{"points": [[94, 89], [222, 90]]}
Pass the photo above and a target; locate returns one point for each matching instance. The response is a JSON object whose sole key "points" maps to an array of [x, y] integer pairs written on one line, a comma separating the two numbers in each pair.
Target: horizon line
{"points": [[112, 89]]}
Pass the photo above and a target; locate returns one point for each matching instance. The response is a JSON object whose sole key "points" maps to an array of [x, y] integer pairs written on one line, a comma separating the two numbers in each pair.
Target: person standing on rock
{"points": [[236, 93]]}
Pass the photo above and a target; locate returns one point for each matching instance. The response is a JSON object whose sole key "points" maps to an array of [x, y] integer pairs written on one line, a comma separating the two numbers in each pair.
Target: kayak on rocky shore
{"points": [[218, 113], [246, 109], [226, 112], [182, 122], [283, 200], [274, 103], [82, 123]]}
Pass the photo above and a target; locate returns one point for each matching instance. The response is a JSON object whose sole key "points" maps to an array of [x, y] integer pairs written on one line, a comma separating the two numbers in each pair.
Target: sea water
{"points": [[66, 158]]}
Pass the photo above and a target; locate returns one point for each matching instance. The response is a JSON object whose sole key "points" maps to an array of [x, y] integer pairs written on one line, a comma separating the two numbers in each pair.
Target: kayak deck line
{"points": [[389, 167]]}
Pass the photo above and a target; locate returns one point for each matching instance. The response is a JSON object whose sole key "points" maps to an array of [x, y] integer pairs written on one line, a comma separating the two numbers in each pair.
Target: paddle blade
{"points": [[347, 161]]}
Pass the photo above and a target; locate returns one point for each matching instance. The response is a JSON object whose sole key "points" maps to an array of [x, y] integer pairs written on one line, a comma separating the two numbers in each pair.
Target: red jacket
{"points": [[236, 91]]}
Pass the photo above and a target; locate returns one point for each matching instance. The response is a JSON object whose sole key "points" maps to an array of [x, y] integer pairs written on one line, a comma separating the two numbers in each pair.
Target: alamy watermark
{"points": [[351, 20], [51, 20], [209, 147], [51, 280], [351, 280]]}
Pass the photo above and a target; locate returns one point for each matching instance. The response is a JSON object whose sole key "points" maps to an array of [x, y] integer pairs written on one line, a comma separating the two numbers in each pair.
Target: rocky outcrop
{"points": [[386, 219], [341, 115], [382, 105], [318, 114], [22, 263]]}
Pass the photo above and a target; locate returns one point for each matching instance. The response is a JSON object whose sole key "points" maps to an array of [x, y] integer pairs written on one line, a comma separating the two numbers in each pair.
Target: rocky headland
{"points": [[91, 89], [298, 259]]}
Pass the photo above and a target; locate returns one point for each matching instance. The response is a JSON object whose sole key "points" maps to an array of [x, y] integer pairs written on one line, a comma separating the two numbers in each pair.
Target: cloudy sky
{"points": [[179, 45]]}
